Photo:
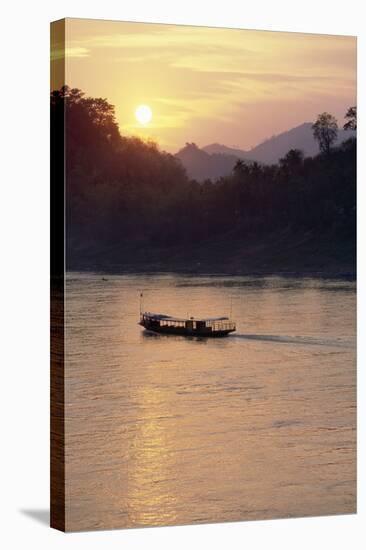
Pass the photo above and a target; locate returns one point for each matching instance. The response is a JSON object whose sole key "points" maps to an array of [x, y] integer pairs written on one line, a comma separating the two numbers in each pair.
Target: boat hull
{"points": [[182, 331]]}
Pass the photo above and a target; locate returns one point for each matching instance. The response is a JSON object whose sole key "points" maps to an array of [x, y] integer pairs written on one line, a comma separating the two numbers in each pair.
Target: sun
{"points": [[143, 114]]}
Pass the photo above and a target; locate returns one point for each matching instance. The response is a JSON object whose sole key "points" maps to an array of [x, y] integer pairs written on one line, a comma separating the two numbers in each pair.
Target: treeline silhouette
{"points": [[131, 206]]}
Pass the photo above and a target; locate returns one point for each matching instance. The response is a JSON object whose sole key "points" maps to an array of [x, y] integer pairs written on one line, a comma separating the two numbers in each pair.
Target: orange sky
{"points": [[207, 85]]}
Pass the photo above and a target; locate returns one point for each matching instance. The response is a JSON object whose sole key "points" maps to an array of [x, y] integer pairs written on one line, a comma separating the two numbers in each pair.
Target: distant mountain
{"points": [[201, 165], [217, 148], [216, 160], [272, 149]]}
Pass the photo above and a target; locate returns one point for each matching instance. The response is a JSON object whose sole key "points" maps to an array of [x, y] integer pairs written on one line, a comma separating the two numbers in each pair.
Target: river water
{"points": [[173, 430]]}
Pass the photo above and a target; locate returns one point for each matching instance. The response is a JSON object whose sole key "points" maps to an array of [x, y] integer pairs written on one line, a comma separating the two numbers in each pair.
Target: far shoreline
{"points": [[149, 270]]}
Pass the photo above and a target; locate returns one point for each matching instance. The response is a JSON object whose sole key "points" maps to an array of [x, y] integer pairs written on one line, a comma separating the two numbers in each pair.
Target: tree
{"points": [[292, 160], [325, 131], [351, 117], [240, 167]]}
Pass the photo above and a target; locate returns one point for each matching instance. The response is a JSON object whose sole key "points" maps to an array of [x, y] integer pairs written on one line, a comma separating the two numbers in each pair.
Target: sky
{"points": [[208, 85]]}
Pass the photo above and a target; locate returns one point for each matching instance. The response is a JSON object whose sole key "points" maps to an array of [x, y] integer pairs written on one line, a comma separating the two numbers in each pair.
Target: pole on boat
{"points": [[141, 302], [231, 306]]}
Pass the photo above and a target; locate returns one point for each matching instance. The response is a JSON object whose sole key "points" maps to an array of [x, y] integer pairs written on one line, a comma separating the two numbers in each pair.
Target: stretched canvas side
{"points": [[57, 283]]}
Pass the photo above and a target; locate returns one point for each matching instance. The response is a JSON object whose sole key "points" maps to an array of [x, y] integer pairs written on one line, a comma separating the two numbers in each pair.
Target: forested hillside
{"points": [[131, 206]]}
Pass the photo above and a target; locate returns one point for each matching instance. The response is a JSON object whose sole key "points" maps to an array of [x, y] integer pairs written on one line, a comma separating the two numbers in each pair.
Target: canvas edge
{"points": [[57, 270]]}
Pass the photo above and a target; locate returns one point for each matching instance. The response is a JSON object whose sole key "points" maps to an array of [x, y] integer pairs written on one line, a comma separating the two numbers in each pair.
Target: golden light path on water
{"points": [[173, 430]]}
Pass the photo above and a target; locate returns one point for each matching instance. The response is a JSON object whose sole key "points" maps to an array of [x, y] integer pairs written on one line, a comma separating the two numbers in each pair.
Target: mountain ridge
{"points": [[216, 160], [270, 150]]}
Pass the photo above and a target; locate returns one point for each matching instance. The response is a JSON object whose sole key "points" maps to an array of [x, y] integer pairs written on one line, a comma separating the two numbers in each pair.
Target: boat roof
{"points": [[161, 316]]}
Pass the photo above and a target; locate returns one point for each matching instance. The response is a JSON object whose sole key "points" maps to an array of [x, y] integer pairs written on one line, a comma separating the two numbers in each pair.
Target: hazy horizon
{"points": [[207, 85]]}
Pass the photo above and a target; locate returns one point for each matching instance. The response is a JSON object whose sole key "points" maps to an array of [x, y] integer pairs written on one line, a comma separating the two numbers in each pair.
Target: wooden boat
{"points": [[164, 324]]}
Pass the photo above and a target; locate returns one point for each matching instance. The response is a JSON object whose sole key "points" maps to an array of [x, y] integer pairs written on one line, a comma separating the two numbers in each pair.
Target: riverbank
{"points": [[282, 253]]}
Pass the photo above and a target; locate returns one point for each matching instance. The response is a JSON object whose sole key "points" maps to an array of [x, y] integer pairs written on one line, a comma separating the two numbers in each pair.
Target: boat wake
{"points": [[297, 340]]}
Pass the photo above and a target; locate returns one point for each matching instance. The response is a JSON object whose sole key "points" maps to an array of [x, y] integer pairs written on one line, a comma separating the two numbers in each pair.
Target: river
{"points": [[173, 430]]}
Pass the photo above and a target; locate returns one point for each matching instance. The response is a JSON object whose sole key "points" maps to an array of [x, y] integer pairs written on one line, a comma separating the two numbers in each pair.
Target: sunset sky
{"points": [[206, 85]]}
